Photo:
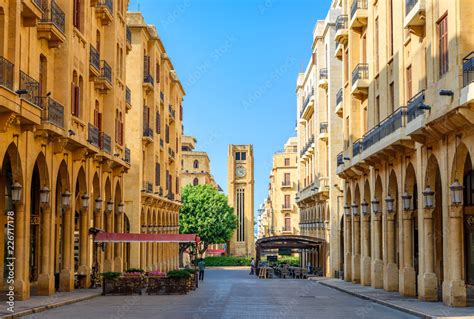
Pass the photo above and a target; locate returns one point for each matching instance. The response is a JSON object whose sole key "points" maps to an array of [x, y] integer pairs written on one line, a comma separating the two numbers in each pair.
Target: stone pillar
{"points": [[407, 273], [66, 277], [391, 268], [454, 289], [118, 247], [348, 249], [377, 263], [356, 249], [22, 282], [429, 280], [46, 277], [366, 259], [109, 248], [97, 249], [83, 269]]}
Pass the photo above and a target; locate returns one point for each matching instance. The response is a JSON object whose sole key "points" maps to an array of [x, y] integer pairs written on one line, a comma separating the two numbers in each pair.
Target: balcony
{"points": [[52, 25], [339, 159], [32, 88], [172, 113], [93, 135], [341, 29], [128, 97], [323, 131], [148, 82], [308, 103], [339, 51], [31, 11], [103, 82], [307, 147], [52, 113], [147, 135], [6, 73], [162, 143], [105, 142], [416, 105], [467, 91], [94, 62], [360, 81], [171, 154], [415, 16], [359, 14], [127, 156], [323, 78], [339, 106], [128, 34], [286, 207], [104, 10], [357, 147], [170, 196], [307, 192], [162, 98], [286, 184], [147, 187]]}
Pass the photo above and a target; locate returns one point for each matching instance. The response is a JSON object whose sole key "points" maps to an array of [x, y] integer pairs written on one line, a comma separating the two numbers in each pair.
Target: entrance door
{"points": [[469, 247]]}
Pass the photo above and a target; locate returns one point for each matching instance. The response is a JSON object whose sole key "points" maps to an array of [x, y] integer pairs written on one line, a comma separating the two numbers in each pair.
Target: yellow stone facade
{"points": [[406, 104], [319, 127], [196, 165], [283, 214], [154, 135], [62, 64]]}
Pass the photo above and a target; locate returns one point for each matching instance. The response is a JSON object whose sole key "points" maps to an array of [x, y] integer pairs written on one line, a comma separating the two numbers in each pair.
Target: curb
{"points": [[48, 307], [384, 303]]}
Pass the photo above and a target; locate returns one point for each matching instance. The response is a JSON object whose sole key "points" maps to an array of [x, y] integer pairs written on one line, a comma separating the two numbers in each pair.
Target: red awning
{"points": [[104, 237]]}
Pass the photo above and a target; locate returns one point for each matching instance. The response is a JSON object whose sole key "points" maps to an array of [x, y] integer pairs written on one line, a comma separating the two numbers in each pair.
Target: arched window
{"points": [[196, 164], [196, 182], [76, 95]]}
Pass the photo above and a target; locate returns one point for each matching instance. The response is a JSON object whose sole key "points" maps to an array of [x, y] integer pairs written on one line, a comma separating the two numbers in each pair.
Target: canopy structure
{"points": [[103, 237], [288, 241]]}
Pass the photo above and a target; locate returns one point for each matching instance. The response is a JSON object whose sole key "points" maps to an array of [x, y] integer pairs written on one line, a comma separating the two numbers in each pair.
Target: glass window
{"points": [[243, 156], [237, 156]]}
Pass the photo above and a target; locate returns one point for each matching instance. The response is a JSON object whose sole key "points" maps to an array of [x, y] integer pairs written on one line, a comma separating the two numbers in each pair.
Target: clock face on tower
{"points": [[240, 171]]}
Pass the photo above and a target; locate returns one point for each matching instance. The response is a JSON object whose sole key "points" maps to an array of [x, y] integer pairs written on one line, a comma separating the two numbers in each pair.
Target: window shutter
{"points": [[181, 112], [145, 117], [157, 174], [121, 133], [157, 73], [158, 124], [99, 121], [73, 98], [146, 65]]}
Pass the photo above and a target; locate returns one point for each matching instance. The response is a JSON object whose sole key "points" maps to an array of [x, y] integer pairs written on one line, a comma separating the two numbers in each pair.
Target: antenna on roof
{"points": [[138, 5]]}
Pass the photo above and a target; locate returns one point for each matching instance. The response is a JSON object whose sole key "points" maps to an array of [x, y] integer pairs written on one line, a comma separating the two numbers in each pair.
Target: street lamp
{"points": [[375, 205], [16, 192], [66, 199], [347, 210], [355, 209], [365, 207], [406, 199], [390, 201], [85, 201], [98, 203], [110, 206], [120, 207], [428, 195], [44, 195], [456, 192]]}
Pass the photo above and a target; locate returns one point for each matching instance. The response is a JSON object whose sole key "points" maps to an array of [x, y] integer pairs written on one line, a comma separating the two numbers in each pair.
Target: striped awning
{"points": [[103, 237]]}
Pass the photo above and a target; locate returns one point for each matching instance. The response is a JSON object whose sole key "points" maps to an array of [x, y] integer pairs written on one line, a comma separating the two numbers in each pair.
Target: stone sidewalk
{"points": [[41, 303], [394, 300]]}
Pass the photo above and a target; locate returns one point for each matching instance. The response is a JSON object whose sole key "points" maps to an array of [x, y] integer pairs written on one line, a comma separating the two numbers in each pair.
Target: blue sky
{"points": [[238, 61]]}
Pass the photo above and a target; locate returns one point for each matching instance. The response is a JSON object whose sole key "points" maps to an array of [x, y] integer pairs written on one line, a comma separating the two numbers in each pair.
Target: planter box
{"points": [[167, 286], [129, 285]]}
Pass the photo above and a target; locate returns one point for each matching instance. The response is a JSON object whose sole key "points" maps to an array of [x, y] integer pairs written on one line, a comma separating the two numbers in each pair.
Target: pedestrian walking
{"points": [[252, 266], [201, 266]]}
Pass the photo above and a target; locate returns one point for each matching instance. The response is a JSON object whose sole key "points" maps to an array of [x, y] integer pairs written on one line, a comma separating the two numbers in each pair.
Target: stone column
{"points": [[366, 259], [66, 277], [454, 289], [407, 273], [46, 277], [356, 250], [84, 269], [391, 268], [348, 248], [377, 262], [22, 282], [98, 250], [429, 280], [109, 248], [118, 247]]}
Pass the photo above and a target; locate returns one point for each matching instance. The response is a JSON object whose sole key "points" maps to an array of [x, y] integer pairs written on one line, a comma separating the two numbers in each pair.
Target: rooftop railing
{"points": [[468, 69], [6, 73], [361, 72]]}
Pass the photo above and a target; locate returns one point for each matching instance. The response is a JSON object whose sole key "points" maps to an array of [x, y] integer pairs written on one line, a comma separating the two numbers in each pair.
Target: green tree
{"points": [[205, 212]]}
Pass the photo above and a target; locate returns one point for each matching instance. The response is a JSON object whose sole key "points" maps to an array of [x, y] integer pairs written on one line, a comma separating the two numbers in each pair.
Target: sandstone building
{"points": [[196, 168]]}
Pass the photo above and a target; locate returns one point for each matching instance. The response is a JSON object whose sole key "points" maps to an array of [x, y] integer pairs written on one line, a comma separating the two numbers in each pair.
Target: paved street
{"points": [[232, 294]]}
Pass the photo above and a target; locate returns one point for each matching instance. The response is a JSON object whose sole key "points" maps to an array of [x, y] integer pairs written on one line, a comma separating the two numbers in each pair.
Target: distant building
{"points": [[196, 165]]}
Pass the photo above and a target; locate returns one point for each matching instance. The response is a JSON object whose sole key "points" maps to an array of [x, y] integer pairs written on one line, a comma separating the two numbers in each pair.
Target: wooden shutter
{"points": [[146, 66], [121, 133], [158, 123], [167, 133], [181, 112], [146, 113], [99, 121], [77, 14], [157, 73], [76, 111], [157, 174]]}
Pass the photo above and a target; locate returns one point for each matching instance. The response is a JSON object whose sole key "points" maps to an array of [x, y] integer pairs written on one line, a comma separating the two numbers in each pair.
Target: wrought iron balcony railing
{"points": [[286, 183], [410, 4], [107, 4], [106, 71], [356, 5], [468, 69], [307, 146], [148, 132], [127, 157], [148, 187], [361, 72], [323, 74], [416, 105], [53, 112], [55, 15], [162, 143], [340, 159], [148, 78], [170, 196], [323, 127], [162, 97], [93, 135], [106, 142], [341, 22], [94, 58], [128, 95], [129, 35], [339, 96], [172, 111], [356, 147], [306, 101], [31, 86], [6, 73], [386, 127]]}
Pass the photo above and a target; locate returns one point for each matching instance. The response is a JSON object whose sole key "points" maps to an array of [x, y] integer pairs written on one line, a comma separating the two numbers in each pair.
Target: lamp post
{"points": [[406, 199], [456, 193], [428, 196], [98, 203], [44, 195], [85, 201], [365, 207], [66, 199], [110, 206], [121, 207], [16, 192], [375, 205], [347, 210], [390, 203], [355, 209]]}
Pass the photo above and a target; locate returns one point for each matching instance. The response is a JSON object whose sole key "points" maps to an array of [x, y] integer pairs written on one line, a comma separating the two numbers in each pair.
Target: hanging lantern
{"points": [[375, 205], [390, 203], [85, 201], [66, 199], [456, 193], [121, 207], [16, 192], [98, 203], [428, 195], [355, 209], [110, 206], [347, 210], [365, 207], [406, 199], [44, 195]]}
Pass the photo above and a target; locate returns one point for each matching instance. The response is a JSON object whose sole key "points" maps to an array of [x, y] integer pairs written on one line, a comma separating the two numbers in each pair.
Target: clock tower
{"points": [[241, 198]]}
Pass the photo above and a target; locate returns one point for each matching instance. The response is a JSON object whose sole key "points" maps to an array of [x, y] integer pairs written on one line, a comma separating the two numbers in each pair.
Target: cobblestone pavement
{"points": [[232, 294]]}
